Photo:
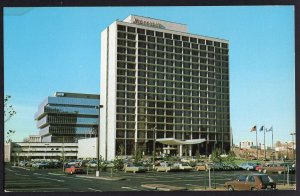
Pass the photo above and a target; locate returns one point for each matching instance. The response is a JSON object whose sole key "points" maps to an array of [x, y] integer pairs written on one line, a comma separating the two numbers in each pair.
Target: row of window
{"points": [[121, 133], [163, 97], [177, 112], [171, 88], [162, 57], [175, 65], [167, 80], [166, 35], [176, 46]]}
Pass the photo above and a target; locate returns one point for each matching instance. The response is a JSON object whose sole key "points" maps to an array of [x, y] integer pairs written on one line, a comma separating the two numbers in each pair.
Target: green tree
{"points": [[230, 157], [216, 156], [9, 112]]}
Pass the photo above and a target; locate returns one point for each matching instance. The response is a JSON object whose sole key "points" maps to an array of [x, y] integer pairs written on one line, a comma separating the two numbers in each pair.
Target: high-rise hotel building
{"points": [[159, 79]]}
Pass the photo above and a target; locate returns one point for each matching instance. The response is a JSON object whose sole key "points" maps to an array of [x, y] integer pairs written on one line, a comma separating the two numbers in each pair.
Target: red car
{"points": [[72, 169]]}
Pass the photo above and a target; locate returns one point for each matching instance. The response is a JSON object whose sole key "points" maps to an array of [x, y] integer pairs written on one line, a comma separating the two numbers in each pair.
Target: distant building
{"points": [[33, 138], [31, 151], [7, 152], [67, 117], [246, 144]]}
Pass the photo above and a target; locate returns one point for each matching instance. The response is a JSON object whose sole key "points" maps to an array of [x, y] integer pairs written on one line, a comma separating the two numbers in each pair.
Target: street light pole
{"points": [[98, 141], [293, 134], [154, 140]]}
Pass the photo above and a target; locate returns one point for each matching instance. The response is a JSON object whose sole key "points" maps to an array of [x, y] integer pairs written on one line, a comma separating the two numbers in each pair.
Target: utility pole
{"points": [[154, 141], [98, 141]]}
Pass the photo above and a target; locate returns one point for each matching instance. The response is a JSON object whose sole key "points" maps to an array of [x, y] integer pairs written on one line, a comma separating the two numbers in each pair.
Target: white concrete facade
{"points": [[87, 148]]}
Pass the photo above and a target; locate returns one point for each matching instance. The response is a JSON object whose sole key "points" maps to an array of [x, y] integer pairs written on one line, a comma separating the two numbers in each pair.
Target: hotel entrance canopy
{"points": [[172, 141]]}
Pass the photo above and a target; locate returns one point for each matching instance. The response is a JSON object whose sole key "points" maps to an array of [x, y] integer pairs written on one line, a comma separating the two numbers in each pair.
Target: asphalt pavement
{"points": [[54, 180]]}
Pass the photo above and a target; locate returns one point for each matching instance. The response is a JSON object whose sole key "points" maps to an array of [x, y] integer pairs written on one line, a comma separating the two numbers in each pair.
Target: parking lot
{"points": [[21, 179]]}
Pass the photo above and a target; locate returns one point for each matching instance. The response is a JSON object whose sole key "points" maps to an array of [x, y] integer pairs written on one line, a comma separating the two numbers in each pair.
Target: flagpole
{"points": [[265, 142], [256, 146]]}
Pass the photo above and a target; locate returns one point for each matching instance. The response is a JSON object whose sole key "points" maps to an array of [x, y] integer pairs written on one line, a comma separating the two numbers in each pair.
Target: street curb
{"points": [[163, 187], [102, 178], [56, 174], [21, 168]]}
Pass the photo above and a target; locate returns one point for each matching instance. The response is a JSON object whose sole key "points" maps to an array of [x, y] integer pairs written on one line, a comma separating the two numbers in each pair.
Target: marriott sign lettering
{"points": [[148, 23]]}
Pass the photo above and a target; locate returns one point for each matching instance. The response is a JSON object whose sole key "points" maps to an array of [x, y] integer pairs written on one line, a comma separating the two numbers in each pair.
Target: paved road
{"points": [[20, 179]]}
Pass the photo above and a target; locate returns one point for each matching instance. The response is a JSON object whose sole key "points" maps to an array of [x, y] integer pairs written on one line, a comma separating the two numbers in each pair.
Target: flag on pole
{"points": [[271, 129], [253, 129], [262, 128]]}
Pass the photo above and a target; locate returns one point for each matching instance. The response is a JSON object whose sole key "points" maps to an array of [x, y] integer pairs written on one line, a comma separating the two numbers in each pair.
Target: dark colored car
{"points": [[251, 182]]}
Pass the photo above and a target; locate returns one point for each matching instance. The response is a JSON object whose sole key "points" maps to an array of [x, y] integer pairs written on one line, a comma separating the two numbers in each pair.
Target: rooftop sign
{"points": [[148, 23], [155, 23]]}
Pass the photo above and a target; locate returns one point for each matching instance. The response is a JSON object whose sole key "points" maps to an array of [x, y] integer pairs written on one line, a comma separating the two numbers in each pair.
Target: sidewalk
{"points": [[162, 187]]}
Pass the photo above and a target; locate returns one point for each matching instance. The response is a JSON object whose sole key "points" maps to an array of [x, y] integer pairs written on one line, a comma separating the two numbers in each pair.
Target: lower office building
{"points": [[67, 117], [164, 88]]}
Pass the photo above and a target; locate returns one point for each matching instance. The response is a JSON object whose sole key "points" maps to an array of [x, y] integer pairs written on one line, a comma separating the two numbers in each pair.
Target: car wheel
{"points": [[230, 188], [259, 170], [264, 171], [253, 189], [71, 172], [279, 172], [248, 168]]}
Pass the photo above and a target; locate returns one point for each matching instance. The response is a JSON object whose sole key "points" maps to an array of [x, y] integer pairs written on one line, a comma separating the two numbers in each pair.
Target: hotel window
{"points": [[178, 57], [201, 41], [131, 58], [141, 31], [202, 47], [208, 42], [169, 70], [142, 37], [160, 40], [130, 44], [169, 49], [184, 38], [121, 28], [142, 59], [130, 88], [151, 53], [131, 36], [178, 64], [130, 51], [169, 42], [160, 69], [195, 53], [131, 29], [217, 44], [178, 43], [195, 59], [142, 45], [151, 39], [170, 63], [160, 47], [176, 37], [121, 35], [159, 34], [224, 45], [194, 40], [168, 35], [194, 46], [121, 42], [186, 58], [149, 32], [169, 56], [186, 44], [151, 46], [151, 60], [178, 50]]}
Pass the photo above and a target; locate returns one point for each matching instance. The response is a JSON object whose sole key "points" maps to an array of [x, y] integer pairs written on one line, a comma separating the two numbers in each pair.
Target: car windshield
{"points": [[266, 178]]}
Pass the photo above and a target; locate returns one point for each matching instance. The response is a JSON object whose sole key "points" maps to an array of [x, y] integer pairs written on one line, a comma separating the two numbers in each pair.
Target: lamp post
{"points": [[154, 140], [293, 147], [98, 140]]}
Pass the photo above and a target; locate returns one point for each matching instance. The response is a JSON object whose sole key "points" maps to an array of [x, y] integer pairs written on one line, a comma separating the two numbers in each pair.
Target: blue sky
{"points": [[58, 49]]}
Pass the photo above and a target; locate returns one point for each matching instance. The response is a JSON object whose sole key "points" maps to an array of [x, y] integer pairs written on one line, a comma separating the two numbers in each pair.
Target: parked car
{"points": [[251, 182], [276, 168], [183, 166], [248, 166], [41, 165], [166, 167], [201, 167], [72, 169], [133, 168], [92, 163]]}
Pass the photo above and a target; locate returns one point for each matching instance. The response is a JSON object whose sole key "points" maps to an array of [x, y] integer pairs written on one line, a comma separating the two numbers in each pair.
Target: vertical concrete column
{"points": [[190, 150], [180, 150]]}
